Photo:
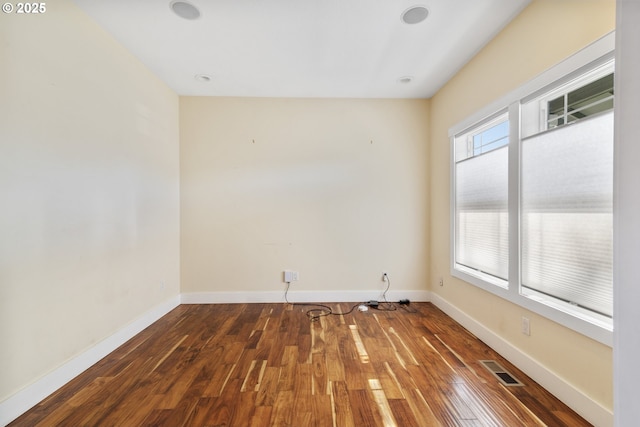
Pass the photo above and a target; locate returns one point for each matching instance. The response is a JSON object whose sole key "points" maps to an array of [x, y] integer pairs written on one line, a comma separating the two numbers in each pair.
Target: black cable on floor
{"points": [[314, 314]]}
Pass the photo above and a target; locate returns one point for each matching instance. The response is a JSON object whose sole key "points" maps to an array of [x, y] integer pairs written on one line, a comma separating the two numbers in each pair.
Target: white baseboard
{"points": [[589, 409], [25, 399], [299, 296]]}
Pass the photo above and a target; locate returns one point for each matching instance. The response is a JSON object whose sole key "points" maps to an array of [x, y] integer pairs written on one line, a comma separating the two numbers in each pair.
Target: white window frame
{"points": [[594, 55], [469, 133]]}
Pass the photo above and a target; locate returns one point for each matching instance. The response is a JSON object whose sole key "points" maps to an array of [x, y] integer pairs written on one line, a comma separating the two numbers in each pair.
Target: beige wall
{"points": [[544, 34], [89, 189], [335, 189]]}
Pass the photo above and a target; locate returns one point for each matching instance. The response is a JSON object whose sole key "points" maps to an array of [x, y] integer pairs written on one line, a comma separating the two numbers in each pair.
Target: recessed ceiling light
{"points": [[202, 78], [415, 15], [185, 10], [405, 79]]}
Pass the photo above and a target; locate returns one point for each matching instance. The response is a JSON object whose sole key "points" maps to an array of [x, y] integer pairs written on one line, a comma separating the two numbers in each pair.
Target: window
{"points": [[490, 139], [585, 101], [481, 217], [532, 195], [566, 195]]}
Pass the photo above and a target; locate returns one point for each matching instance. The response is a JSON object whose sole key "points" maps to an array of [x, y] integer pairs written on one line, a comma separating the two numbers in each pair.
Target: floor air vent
{"points": [[500, 373]]}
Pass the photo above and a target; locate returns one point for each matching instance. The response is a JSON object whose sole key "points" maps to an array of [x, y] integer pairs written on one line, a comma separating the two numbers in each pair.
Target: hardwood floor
{"points": [[258, 365]]}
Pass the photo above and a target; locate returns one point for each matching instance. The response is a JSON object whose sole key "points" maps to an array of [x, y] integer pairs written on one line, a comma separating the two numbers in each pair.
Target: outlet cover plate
{"points": [[290, 276]]}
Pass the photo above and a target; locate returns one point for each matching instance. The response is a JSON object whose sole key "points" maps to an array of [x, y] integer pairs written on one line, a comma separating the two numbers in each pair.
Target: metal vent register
{"points": [[500, 373]]}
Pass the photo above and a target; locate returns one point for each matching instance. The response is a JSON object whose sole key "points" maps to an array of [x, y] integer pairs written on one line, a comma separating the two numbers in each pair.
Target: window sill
{"points": [[598, 328]]}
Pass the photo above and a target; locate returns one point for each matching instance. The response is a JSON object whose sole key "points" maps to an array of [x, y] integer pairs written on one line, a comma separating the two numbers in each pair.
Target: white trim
{"points": [[626, 293], [25, 399], [300, 296], [589, 409]]}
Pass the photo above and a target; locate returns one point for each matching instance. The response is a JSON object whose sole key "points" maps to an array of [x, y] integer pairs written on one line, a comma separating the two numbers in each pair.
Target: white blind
{"points": [[482, 221], [567, 213]]}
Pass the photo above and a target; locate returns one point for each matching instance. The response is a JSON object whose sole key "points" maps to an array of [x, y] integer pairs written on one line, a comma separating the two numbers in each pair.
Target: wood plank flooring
{"points": [[259, 365]]}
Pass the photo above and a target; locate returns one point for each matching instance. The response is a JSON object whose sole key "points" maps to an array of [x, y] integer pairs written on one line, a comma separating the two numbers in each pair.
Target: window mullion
{"points": [[514, 199]]}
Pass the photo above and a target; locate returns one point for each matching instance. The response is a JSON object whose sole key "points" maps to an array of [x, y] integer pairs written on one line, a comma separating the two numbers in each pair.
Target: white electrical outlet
{"points": [[291, 276], [526, 326], [441, 282], [385, 275]]}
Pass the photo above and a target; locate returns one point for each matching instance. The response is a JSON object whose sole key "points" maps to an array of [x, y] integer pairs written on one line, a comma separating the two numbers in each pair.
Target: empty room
{"points": [[308, 213]]}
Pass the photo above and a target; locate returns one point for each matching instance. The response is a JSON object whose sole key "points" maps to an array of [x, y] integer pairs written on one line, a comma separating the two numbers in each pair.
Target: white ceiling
{"points": [[304, 48]]}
